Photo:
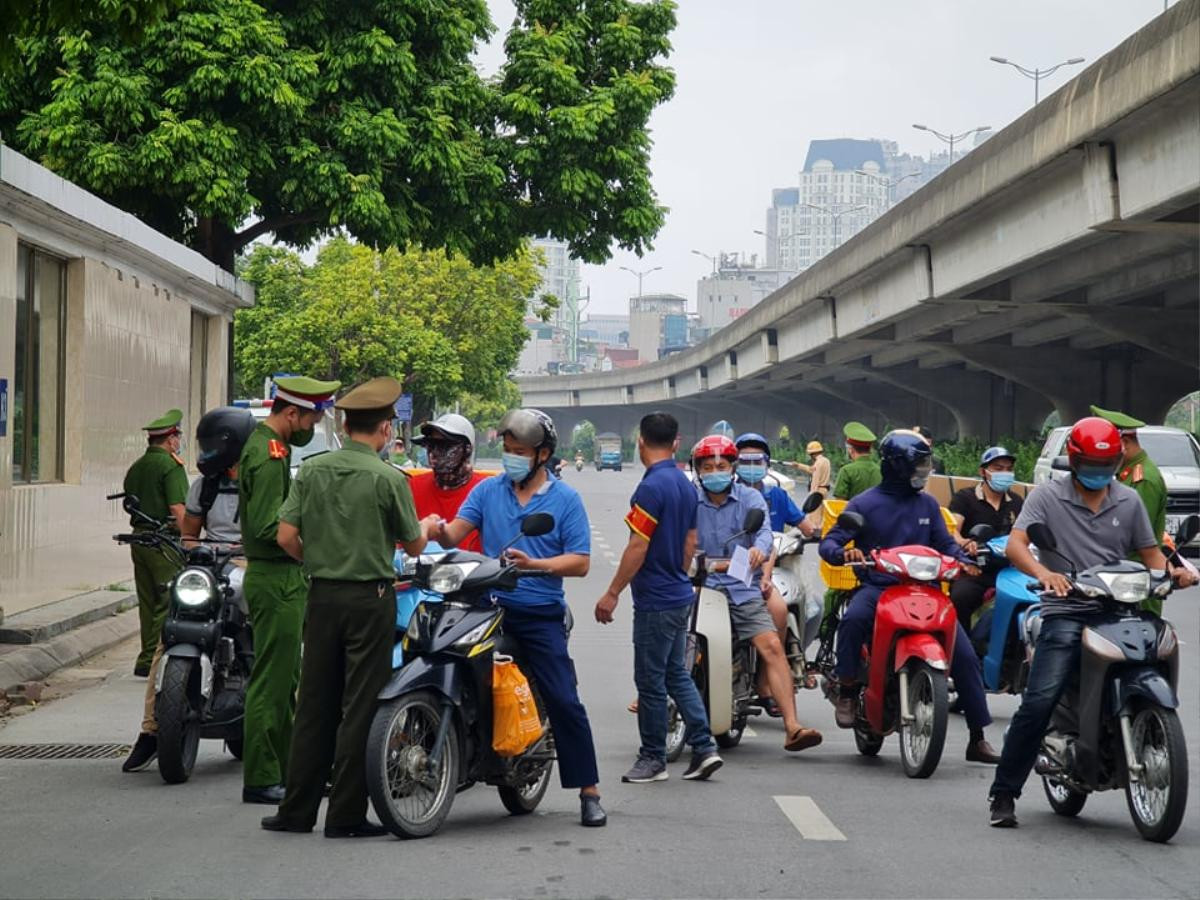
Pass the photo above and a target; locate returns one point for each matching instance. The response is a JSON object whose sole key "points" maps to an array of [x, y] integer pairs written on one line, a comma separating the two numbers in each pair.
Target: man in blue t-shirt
{"points": [[533, 614], [662, 541]]}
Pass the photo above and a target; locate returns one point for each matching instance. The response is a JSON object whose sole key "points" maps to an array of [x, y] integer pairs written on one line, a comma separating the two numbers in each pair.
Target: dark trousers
{"points": [[542, 637], [349, 631], [966, 593], [659, 643], [858, 621], [1055, 658], [152, 569]]}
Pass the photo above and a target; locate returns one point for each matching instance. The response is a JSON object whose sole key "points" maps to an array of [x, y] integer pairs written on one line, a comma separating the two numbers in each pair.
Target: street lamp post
{"points": [[953, 139], [640, 275], [779, 242], [711, 259], [1037, 74], [836, 216], [888, 183]]}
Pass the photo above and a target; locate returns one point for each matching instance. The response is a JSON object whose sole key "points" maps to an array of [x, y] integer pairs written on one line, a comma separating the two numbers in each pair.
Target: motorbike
{"points": [[1116, 726], [997, 632], [409, 595], [906, 670], [208, 648], [431, 734], [803, 611], [579, 464]]}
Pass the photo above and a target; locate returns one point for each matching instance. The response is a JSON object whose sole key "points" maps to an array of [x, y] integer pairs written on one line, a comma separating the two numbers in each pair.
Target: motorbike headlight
{"points": [[921, 568], [413, 631], [474, 636], [194, 588], [1127, 587], [446, 578]]}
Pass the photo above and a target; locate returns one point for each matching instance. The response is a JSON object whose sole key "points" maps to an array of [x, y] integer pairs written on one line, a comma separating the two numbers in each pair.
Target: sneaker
{"points": [[1004, 811], [144, 752], [646, 770], [703, 765]]}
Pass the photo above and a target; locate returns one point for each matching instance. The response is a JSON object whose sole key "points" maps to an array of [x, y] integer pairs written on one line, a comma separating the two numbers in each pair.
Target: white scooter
{"points": [[805, 607]]}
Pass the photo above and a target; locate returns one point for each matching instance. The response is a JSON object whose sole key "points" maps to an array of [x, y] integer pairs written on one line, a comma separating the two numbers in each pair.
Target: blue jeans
{"points": [[659, 644], [856, 627], [1055, 658]]}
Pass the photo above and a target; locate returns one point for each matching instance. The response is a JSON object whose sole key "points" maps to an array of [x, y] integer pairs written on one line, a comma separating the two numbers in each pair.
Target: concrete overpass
{"points": [[1055, 266]]}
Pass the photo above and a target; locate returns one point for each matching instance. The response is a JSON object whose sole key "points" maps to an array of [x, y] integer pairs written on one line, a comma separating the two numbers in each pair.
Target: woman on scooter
{"points": [[899, 512]]}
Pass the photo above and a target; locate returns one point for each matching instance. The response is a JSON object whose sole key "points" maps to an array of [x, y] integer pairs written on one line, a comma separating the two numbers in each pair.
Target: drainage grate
{"points": [[63, 751]]}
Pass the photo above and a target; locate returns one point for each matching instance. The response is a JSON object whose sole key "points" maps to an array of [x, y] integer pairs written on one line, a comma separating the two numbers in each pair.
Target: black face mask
{"points": [[450, 463]]}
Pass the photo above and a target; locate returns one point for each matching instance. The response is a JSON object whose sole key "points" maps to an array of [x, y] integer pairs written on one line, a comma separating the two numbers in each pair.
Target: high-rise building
{"points": [[735, 288], [657, 322], [560, 277]]}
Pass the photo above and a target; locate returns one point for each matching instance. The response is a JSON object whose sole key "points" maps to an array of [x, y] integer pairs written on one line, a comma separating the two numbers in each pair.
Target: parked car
{"points": [[1175, 452], [325, 437]]}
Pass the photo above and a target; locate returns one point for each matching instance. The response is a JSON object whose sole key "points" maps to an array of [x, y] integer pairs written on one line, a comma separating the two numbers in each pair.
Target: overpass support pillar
{"points": [[966, 394]]}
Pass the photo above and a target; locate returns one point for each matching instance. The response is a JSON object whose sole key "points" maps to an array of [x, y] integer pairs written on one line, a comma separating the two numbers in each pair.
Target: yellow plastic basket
{"points": [[843, 578]]}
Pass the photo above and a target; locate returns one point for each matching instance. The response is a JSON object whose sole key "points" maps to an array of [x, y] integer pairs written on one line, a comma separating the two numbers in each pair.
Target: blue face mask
{"points": [[1094, 481], [516, 467], [717, 482], [751, 473], [1001, 481]]}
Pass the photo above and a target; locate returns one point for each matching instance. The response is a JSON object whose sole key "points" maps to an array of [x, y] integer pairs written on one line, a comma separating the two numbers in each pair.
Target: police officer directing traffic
{"points": [[159, 482], [275, 586], [862, 472], [345, 514]]}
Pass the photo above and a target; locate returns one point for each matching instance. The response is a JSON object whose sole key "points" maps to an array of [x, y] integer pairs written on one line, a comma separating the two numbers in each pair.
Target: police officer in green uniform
{"points": [[862, 472], [343, 518], [159, 482], [1139, 472], [275, 586]]}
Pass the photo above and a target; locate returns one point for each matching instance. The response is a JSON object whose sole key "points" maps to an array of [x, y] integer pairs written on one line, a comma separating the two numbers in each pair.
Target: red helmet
{"points": [[714, 445], [1094, 441]]}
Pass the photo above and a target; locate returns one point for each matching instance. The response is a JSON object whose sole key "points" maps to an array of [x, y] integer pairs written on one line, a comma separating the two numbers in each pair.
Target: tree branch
{"points": [[264, 226]]}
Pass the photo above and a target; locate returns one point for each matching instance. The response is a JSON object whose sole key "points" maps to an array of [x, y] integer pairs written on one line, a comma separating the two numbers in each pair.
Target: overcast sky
{"points": [[758, 79]]}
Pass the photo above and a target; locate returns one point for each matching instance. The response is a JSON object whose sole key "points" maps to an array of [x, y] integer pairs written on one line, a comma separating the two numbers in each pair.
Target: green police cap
{"points": [[167, 423], [307, 393], [374, 394], [1123, 422], [858, 433]]}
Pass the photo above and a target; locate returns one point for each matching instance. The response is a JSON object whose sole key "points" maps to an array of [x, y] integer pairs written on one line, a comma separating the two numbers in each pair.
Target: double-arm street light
{"points": [[952, 138], [711, 259], [779, 240], [640, 275], [1037, 74], [836, 216]]}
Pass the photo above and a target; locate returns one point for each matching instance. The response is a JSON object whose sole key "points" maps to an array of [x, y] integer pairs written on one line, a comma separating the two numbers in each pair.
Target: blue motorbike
{"points": [[998, 632], [408, 595]]}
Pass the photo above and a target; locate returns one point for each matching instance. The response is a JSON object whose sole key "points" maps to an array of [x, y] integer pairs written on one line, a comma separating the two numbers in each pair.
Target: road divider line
{"points": [[808, 819]]}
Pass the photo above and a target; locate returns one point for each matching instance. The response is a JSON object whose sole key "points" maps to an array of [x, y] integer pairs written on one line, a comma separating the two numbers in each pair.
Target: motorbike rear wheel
{"points": [[410, 799], [867, 742], [676, 730], [178, 721], [236, 746], [923, 739], [520, 801], [1064, 800], [1158, 798], [733, 736]]}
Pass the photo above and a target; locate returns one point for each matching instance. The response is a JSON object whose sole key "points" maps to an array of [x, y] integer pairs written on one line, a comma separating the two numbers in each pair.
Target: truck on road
{"points": [[608, 451]]}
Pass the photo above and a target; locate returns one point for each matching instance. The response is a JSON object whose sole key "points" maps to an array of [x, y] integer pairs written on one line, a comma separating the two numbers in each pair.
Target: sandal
{"points": [[633, 707], [770, 707], [802, 738]]}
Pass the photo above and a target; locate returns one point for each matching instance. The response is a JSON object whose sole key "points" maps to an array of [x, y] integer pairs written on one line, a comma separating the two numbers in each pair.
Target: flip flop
{"points": [[802, 739], [770, 707]]}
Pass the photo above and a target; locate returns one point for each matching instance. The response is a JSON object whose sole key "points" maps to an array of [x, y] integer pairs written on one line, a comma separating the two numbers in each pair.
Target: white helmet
{"points": [[451, 425]]}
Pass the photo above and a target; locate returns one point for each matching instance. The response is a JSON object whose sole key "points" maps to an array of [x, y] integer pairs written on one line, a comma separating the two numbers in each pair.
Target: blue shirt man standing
{"points": [[662, 541]]}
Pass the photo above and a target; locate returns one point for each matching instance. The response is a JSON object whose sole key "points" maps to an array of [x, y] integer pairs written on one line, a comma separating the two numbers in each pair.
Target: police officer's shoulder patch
{"points": [[277, 449], [1139, 473], [178, 459]]}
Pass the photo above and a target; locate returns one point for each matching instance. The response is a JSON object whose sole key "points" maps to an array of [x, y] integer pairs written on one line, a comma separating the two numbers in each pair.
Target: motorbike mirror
{"points": [[537, 524], [981, 533], [754, 521], [812, 502], [1188, 529], [851, 521], [1042, 536], [1061, 464]]}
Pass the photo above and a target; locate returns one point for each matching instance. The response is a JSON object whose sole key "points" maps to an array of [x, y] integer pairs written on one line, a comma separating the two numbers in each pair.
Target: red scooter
{"points": [[907, 665]]}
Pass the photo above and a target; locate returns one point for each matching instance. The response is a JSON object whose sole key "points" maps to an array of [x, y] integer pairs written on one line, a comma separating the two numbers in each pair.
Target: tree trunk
{"points": [[217, 242]]}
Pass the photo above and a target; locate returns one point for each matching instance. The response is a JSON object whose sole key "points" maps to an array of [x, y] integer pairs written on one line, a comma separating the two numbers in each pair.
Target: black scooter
{"points": [[208, 648], [432, 731], [1116, 726]]}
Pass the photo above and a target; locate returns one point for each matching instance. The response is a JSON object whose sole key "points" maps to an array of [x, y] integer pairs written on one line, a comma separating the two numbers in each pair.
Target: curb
{"points": [[34, 662]]}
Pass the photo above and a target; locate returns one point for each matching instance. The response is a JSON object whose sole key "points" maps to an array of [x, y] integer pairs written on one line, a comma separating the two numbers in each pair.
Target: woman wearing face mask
{"points": [[991, 502], [449, 442]]}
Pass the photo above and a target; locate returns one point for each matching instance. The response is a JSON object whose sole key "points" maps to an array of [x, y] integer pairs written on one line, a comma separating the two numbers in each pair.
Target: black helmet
{"points": [[905, 458], [220, 435], [531, 428]]}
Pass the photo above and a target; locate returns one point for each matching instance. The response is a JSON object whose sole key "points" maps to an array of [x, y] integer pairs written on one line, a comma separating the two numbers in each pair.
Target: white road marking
{"points": [[812, 824], [749, 732]]}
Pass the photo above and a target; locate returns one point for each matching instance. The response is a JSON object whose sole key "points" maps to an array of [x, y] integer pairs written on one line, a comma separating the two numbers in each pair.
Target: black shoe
{"points": [[362, 829], [1004, 811], [141, 670], [278, 823], [591, 813], [272, 795], [144, 752], [703, 765], [981, 751]]}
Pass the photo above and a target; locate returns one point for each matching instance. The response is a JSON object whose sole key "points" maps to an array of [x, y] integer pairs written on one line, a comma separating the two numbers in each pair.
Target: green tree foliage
{"points": [[37, 18], [232, 119], [583, 439], [443, 327]]}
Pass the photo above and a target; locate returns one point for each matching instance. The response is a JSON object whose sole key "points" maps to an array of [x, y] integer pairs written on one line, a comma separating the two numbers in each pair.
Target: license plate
{"points": [[1173, 523]]}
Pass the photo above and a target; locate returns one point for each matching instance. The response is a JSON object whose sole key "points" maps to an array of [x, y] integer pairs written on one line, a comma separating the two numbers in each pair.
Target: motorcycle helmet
{"points": [[753, 440], [450, 425], [714, 445], [1094, 451], [530, 428], [905, 458], [221, 434], [991, 454]]}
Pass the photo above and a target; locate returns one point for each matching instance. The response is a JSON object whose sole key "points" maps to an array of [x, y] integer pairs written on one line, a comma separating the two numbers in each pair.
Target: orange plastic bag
{"points": [[515, 720]]}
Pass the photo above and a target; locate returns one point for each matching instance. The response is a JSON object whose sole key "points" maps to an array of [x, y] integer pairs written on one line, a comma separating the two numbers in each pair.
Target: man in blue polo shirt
{"points": [[533, 614], [662, 541]]}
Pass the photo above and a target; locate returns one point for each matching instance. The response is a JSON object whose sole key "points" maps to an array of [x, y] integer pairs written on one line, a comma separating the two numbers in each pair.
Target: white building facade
{"points": [[733, 290]]}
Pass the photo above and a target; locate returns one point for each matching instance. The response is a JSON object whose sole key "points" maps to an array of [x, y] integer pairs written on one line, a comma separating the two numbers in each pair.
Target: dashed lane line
{"points": [[808, 819]]}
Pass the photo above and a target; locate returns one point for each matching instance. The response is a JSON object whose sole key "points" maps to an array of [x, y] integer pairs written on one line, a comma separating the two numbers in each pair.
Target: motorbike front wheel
{"points": [[923, 738], [178, 721], [1065, 801], [1157, 799], [676, 730], [411, 797]]}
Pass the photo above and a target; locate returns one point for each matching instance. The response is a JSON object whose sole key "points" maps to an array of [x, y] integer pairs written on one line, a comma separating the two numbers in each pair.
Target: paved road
{"points": [[857, 827]]}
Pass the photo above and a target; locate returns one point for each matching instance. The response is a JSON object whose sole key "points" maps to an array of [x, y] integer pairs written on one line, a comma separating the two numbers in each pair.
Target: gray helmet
{"points": [[451, 425], [530, 427]]}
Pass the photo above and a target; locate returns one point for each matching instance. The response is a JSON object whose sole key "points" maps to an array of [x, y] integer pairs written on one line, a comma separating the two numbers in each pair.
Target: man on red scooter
{"points": [[899, 512]]}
